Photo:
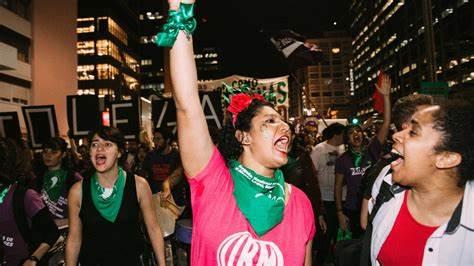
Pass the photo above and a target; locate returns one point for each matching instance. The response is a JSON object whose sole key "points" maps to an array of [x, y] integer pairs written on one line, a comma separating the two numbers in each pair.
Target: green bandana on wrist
{"points": [[260, 199], [3, 193], [53, 184], [108, 201], [182, 19]]}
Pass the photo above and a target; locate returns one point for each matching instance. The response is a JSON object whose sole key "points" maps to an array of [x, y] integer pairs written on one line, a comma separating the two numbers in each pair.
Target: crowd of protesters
{"points": [[260, 191], [337, 169]]}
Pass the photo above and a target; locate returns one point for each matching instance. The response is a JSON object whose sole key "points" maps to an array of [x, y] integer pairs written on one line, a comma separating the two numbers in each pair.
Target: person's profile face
{"points": [[416, 145]]}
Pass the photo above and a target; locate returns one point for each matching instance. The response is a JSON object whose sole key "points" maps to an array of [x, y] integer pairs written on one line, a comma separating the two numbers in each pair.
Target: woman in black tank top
{"points": [[104, 210]]}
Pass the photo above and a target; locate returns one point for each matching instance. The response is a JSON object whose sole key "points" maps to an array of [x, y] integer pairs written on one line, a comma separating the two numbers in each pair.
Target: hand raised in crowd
{"points": [[174, 4], [385, 84]]}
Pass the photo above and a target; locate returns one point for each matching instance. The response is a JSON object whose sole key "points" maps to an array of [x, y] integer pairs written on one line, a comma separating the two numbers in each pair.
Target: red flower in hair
{"points": [[240, 102]]}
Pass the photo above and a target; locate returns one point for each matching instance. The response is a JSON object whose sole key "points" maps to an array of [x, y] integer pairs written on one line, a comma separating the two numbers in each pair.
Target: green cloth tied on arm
{"points": [[182, 19]]}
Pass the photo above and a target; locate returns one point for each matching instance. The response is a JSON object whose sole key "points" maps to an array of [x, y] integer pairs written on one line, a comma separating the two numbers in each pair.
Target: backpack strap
{"points": [[385, 194], [19, 214]]}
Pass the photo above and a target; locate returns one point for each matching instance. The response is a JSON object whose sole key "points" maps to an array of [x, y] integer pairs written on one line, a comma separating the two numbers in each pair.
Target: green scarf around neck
{"points": [[357, 157], [54, 181], [260, 199], [108, 201]]}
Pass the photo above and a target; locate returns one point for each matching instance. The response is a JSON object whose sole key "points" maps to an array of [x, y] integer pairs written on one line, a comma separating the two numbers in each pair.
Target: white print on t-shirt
{"points": [[54, 180], [242, 249], [359, 170], [7, 241]]}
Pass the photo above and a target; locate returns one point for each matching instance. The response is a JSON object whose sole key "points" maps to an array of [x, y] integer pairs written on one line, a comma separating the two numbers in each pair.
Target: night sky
{"points": [[241, 29]]}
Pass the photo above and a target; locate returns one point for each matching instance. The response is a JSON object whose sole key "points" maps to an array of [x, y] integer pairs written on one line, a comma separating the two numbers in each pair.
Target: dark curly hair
{"points": [[228, 145], [455, 122], [405, 107]]}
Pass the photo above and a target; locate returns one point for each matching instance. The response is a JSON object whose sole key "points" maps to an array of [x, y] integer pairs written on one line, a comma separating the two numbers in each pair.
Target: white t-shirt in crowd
{"points": [[324, 157]]}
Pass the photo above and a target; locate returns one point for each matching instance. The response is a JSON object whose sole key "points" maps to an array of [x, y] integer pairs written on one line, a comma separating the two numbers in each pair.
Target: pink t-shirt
{"points": [[222, 236]]}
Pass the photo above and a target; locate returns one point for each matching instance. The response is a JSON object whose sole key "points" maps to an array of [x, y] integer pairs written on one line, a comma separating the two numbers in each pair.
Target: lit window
{"points": [[85, 72], [91, 28], [405, 70], [114, 29], [86, 47], [85, 19], [446, 12], [452, 63], [106, 71], [147, 39], [106, 47], [146, 62]]}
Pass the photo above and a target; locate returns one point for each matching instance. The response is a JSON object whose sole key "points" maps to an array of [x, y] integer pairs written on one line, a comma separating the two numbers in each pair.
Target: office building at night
{"points": [[37, 55], [328, 83], [15, 63], [208, 63], [414, 42], [152, 64], [107, 48]]}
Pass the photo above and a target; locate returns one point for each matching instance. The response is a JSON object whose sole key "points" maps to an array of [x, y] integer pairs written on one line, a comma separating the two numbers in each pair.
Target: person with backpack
{"points": [[428, 220], [27, 230], [55, 177]]}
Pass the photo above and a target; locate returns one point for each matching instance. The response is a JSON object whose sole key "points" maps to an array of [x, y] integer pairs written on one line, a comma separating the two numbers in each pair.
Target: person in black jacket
{"points": [[26, 228]]}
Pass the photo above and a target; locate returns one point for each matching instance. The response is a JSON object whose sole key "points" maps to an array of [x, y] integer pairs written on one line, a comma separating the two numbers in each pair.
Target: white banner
{"points": [[278, 86]]}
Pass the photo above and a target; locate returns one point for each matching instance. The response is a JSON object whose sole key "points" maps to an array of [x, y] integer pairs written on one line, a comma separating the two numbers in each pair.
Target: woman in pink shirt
{"points": [[243, 211]]}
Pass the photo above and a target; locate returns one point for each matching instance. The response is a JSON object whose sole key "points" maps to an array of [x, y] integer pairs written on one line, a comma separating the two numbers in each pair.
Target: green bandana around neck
{"points": [[108, 201], [260, 199], [357, 157], [53, 184], [4, 192]]}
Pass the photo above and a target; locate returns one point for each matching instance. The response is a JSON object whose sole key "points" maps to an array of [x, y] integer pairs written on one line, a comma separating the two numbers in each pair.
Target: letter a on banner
{"points": [[83, 115], [124, 116], [164, 111], [9, 125], [41, 124]]}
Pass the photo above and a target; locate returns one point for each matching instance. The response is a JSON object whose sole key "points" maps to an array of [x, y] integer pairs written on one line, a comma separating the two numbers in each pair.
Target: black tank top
{"points": [[107, 243]]}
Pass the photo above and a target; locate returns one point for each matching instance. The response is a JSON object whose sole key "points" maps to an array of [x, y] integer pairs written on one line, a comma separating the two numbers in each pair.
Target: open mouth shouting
{"points": [[281, 144], [397, 158], [100, 160]]}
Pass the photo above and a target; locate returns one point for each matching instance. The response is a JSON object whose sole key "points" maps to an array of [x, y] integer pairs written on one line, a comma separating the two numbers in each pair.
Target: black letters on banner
{"points": [[83, 114], [9, 125], [40, 123], [124, 116], [164, 111]]}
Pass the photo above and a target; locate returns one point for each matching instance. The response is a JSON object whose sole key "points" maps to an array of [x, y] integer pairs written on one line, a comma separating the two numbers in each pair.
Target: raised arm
{"points": [[195, 145], [384, 89]]}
